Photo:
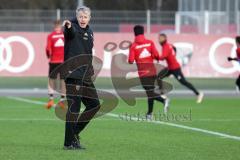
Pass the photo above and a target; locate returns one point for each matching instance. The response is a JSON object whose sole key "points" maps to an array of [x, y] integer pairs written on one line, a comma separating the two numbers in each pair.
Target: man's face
{"points": [[162, 39], [83, 19]]}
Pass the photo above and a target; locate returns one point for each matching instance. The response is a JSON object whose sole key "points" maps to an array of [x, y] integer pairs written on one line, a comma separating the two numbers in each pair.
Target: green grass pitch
{"points": [[28, 131]]}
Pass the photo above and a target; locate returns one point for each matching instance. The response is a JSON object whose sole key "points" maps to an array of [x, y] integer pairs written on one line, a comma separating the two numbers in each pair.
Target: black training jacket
{"points": [[78, 41]]}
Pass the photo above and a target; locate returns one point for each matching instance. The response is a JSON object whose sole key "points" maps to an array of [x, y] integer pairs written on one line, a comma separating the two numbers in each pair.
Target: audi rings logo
{"points": [[235, 65], [5, 61]]}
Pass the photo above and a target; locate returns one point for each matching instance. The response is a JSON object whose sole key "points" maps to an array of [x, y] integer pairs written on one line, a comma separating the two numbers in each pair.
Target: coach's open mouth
{"points": [[82, 24]]}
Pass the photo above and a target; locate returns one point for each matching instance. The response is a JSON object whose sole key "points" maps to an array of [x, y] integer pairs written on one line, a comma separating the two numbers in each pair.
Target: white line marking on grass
{"points": [[216, 120], [155, 122], [29, 101], [27, 119], [43, 119], [186, 127], [26, 100]]}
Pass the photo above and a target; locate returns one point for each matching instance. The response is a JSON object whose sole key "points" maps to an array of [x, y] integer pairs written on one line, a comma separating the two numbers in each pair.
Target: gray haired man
{"points": [[79, 42]]}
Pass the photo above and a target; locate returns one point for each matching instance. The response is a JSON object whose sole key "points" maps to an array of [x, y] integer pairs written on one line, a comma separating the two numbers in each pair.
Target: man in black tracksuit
{"points": [[79, 42]]}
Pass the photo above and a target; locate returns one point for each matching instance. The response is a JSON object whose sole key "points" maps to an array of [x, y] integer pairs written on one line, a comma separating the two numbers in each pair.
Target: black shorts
{"points": [[148, 82], [177, 73], [52, 67]]}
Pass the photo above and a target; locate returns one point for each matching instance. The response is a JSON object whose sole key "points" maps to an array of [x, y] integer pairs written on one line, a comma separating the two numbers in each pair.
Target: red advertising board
{"points": [[23, 54]]}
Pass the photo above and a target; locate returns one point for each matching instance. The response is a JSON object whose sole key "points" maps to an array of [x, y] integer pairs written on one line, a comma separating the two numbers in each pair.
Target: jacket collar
{"points": [[162, 44], [140, 38]]}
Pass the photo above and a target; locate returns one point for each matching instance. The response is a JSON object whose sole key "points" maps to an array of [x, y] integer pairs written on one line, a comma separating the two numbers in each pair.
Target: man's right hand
{"points": [[67, 24]]}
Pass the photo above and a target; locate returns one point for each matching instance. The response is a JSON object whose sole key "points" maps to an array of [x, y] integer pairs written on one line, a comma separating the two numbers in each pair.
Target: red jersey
{"points": [[169, 55], [143, 52], [238, 53], [55, 47]]}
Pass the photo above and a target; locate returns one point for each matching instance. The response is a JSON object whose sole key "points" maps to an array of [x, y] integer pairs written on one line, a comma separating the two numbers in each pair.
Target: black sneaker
{"points": [[70, 147], [74, 146], [76, 143]]}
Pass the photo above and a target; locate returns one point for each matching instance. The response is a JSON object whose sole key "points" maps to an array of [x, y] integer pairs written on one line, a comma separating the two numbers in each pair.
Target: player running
{"points": [[143, 52], [238, 60], [173, 67], [55, 54]]}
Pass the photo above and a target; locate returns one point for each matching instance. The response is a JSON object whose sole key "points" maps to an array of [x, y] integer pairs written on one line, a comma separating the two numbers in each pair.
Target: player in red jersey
{"points": [[173, 67], [143, 52], [55, 55], [237, 58]]}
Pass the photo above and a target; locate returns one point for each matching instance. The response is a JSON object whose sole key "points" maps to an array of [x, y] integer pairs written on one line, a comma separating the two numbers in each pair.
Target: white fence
{"points": [[122, 21], [205, 22]]}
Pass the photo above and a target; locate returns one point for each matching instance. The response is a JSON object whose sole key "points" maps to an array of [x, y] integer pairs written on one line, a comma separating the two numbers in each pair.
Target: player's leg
{"points": [[150, 106], [74, 105], [154, 96], [164, 73], [62, 92], [180, 77], [161, 75], [238, 84], [71, 120], [90, 99], [51, 86], [163, 88], [148, 85]]}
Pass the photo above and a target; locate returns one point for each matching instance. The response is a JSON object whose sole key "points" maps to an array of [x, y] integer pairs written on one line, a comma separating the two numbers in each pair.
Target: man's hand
{"points": [[229, 58], [67, 24], [233, 59], [48, 54]]}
